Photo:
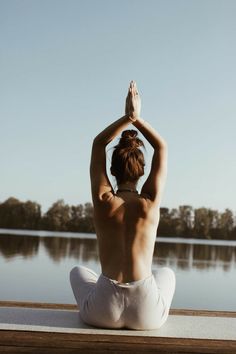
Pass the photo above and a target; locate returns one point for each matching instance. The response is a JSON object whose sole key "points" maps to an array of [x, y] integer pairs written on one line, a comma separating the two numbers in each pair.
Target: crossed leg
{"points": [[82, 281], [165, 279]]}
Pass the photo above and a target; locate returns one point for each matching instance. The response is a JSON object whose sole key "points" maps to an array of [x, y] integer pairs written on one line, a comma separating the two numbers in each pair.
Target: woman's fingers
{"points": [[135, 88], [133, 103], [130, 87]]}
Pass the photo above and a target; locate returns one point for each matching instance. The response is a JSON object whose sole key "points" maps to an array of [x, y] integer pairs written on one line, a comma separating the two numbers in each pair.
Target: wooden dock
{"points": [[55, 328]]}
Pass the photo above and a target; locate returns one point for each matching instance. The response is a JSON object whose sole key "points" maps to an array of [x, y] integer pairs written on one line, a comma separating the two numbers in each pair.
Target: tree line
{"points": [[184, 221]]}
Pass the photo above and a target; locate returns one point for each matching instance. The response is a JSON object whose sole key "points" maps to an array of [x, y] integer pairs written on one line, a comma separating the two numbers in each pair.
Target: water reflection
{"points": [[186, 256], [183, 256], [180, 255], [12, 245], [81, 249], [57, 248]]}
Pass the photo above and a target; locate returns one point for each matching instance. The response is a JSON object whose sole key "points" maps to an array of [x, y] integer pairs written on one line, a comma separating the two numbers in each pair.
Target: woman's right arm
{"points": [[154, 185]]}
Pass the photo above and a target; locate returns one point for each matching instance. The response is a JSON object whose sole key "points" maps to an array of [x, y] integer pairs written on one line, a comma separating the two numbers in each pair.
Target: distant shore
{"points": [[182, 222]]}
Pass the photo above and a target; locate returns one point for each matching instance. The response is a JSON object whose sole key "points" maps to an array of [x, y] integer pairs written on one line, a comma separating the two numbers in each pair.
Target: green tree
{"points": [[15, 214], [205, 221], [185, 221], [76, 215], [174, 214], [57, 217], [226, 223], [87, 221], [10, 217], [215, 231], [31, 215], [165, 224]]}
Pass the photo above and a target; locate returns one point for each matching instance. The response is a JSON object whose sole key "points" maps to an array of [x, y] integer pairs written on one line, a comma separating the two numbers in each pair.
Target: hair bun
{"points": [[129, 140]]}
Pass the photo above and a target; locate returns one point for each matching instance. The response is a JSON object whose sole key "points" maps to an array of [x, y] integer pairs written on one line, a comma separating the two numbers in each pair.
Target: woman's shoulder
{"points": [[111, 199], [146, 198], [104, 198]]}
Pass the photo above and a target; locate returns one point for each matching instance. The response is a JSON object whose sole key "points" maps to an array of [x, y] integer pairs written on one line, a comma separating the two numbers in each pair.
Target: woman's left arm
{"points": [[100, 184]]}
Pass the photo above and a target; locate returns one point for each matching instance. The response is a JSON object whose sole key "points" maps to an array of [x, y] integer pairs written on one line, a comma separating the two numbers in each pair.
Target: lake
{"points": [[35, 266]]}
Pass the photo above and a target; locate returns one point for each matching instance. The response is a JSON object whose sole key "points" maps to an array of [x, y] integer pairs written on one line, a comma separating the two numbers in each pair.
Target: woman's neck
{"points": [[127, 187]]}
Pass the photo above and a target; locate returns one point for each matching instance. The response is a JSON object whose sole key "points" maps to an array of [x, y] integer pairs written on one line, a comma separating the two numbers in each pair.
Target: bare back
{"points": [[126, 223], [126, 226]]}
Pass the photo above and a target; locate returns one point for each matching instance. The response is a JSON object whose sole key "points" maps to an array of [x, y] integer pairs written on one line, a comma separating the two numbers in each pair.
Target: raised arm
{"points": [[100, 184], [154, 185]]}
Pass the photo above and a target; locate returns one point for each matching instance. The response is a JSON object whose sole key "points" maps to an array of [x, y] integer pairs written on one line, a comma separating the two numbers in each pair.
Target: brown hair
{"points": [[127, 163]]}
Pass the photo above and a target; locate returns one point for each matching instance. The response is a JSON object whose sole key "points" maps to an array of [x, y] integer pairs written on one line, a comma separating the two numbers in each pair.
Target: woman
{"points": [[126, 294]]}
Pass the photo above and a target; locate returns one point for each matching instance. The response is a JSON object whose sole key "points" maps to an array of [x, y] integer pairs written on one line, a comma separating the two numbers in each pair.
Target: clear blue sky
{"points": [[65, 68]]}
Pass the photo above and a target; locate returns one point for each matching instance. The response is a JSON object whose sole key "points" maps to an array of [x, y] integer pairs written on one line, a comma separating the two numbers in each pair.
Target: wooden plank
{"points": [[183, 312], [207, 313], [32, 342], [42, 305], [35, 342]]}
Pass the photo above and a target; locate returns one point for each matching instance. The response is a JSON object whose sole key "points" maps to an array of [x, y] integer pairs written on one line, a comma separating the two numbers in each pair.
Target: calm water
{"points": [[36, 268]]}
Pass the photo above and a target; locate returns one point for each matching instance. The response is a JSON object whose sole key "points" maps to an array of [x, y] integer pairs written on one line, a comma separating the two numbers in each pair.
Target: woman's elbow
{"points": [[162, 145], [97, 140], [100, 141]]}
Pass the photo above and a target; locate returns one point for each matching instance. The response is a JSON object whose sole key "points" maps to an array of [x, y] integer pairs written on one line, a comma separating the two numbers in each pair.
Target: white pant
{"points": [[142, 304]]}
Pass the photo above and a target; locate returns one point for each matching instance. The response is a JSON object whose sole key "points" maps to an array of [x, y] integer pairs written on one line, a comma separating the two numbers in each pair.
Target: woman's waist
{"points": [[133, 272], [127, 284]]}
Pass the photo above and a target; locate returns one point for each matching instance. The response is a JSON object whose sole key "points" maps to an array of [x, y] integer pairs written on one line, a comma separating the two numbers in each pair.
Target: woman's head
{"points": [[127, 163]]}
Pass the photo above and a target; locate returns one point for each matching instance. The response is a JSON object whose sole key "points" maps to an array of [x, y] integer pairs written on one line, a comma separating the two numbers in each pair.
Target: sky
{"points": [[65, 67]]}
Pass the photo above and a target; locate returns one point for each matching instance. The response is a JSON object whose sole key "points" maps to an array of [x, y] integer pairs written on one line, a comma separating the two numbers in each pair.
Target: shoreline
{"points": [[92, 236]]}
